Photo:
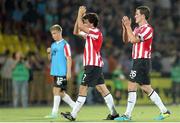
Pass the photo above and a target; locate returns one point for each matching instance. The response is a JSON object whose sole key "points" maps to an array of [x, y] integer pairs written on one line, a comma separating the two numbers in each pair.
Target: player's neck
{"points": [[142, 22], [60, 38]]}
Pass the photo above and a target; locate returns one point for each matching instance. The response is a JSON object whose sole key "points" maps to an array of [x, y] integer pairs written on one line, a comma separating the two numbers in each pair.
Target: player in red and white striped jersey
{"points": [[142, 49], [141, 38], [86, 27], [94, 40]]}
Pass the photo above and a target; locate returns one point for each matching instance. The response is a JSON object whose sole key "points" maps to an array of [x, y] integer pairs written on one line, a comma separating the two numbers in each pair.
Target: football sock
{"points": [[68, 100], [79, 103], [56, 103], [110, 103], [131, 102], [157, 100]]}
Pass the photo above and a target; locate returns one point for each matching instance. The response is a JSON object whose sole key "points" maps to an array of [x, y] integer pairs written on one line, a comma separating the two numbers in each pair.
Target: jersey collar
{"points": [[59, 41]]}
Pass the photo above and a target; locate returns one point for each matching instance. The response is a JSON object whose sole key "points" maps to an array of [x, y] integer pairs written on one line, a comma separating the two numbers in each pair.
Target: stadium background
{"points": [[24, 26]]}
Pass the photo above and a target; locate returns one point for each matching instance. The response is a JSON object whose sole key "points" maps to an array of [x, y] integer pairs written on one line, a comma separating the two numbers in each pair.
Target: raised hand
{"points": [[82, 10], [126, 21]]}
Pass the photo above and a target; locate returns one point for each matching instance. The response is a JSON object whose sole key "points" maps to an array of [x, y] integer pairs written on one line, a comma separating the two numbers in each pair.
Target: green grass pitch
{"points": [[87, 114]]}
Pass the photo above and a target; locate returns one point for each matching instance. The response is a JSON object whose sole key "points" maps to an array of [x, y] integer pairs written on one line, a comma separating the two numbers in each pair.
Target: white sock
{"points": [[57, 100], [68, 100], [110, 104], [131, 102], [79, 103], [157, 100]]}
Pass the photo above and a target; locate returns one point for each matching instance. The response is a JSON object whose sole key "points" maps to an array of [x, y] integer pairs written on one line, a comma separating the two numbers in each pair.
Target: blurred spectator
{"points": [[20, 77], [117, 78], [175, 76], [6, 70]]}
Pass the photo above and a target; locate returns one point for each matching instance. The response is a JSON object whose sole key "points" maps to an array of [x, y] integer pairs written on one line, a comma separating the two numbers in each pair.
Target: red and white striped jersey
{"points": [[92, 48], [142, 49], [67, 50]]}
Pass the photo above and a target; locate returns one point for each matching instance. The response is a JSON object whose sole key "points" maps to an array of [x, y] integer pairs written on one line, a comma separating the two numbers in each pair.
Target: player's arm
{"points": [[69, 61], [131, 36], [49, 53], [76, 30], [124, 33], [81, 26]]}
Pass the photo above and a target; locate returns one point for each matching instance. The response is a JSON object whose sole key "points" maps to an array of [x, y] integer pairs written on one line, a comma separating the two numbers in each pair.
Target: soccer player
{"points": [[86, 26], [60, 56], [141, 38]]}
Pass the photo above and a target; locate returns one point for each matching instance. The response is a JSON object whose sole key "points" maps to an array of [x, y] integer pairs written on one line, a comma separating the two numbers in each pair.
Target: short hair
{"points": [[145, 10], [92, 18], [56, 27]]}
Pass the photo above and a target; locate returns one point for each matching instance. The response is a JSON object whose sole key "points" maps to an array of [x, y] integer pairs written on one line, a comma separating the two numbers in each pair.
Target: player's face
{"points": [[87, 23], [56, 35], [138, 17]]}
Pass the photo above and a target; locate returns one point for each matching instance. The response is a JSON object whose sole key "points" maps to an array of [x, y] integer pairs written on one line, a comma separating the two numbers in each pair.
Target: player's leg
{"points": [[109, 101], [79, 103], [56, 99], [132, 88], [157, 100], [134, 76], [67, 99], [132, 96]]}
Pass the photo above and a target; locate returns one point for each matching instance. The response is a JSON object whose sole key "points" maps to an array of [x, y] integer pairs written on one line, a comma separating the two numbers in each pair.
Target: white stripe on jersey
{"points": [[135, 50], [150, 50], [146, 54], [96, 59], [146, 31], [150, 35]]}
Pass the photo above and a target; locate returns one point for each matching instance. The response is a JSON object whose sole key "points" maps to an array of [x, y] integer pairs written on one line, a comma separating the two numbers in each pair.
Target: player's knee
{"points": [[146, 89], [62, 93], [83, 90], [102, 90]]}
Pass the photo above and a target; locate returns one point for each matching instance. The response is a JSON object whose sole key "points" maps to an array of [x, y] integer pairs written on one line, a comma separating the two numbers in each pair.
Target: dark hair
{"points": [[144, 10], [92, 18]]}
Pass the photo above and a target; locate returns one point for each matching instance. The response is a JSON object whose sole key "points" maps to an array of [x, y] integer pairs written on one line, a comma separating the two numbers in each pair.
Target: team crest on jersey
{"points": [[54, 52]]}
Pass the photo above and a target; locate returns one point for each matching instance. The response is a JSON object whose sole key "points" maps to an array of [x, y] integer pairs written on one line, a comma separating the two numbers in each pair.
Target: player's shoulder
{"points": [[94, 30], [54, 43], [148, 26], [66, 42]]}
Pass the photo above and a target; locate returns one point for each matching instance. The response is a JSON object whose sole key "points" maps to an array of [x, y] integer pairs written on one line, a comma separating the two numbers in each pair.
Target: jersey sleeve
{"points": [[67, 50], [93, 33], [146, 34], [82, 33]]}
